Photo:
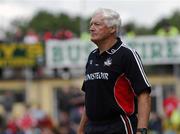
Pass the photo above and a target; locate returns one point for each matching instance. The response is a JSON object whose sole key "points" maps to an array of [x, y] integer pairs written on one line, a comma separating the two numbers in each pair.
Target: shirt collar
{"points": [[115, 47], [111, 50]]}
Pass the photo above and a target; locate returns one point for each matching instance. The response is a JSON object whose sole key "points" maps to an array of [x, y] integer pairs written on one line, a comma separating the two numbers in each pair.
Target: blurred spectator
{"points": [[155, 124], [47, 35], [130, 34], [31, 37], [2, 36], [64, 99], [37, 112], [170, 103], [75, 117], [63, 117], [75, 114], [18, 37], [11, 125], [2, 123], [175, 118], [85, 36], [46, 131], [45, 122], [64, 34], [7, 102], [168, 30], [64, 126], [26, 122], [129, 30]]}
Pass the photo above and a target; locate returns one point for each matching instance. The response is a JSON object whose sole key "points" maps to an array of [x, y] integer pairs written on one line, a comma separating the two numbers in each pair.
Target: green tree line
{"points": [[45, 20]]}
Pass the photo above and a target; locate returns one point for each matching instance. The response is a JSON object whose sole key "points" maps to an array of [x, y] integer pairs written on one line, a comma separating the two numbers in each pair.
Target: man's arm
{"points": [[144, 108], [83, 123]]}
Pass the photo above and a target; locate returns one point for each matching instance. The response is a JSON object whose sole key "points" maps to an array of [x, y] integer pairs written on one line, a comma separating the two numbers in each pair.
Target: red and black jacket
{"points": [[112, 81]]}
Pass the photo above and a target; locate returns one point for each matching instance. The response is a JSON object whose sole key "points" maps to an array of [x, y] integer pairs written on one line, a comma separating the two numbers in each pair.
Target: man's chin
{"points": [[93, 40]]}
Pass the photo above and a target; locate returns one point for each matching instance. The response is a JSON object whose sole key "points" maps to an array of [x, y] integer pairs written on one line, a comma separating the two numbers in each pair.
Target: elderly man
{"points": [[114, 77]]}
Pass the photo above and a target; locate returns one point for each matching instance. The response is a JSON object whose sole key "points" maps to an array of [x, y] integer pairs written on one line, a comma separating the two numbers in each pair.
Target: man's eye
{"points": [[97, 24]]}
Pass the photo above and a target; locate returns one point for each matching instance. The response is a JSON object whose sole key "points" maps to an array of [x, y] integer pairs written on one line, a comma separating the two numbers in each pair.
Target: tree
{"points": [[44, 20], [175, 19], [172, 20]]}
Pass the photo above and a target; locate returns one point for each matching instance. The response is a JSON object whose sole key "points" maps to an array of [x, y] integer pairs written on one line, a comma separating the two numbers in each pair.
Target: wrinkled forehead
{"points": [[99, 17]]}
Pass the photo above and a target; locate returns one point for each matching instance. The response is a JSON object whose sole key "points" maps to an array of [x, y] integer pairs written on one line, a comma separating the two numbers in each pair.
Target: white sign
{"points": [[156, 50], [74, 53], [70, 53]]}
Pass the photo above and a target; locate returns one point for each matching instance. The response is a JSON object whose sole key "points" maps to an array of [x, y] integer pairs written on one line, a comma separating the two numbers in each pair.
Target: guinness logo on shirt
{"points": [[97, 76]]}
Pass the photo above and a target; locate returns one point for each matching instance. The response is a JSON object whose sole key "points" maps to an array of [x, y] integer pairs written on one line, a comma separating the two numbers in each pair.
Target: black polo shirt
{"points": [[112, 80]]}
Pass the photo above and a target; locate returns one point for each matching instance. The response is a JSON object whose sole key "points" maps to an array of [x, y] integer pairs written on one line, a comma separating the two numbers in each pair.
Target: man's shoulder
{"points": [[93, 52], [129, 53], [126, 50]]}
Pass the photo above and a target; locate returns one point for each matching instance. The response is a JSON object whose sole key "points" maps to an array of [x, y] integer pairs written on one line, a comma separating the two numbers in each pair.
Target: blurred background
{"points": [[44, 46]]}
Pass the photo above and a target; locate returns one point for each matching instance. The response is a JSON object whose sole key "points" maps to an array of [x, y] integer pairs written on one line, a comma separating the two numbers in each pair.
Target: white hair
{"points": [[111, 18]]}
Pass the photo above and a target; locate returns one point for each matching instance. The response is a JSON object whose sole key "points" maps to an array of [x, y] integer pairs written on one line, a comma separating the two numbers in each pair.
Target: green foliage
{"points": [[172, 20], [175, 19], [160, 24], [44, 20], [143, 31], [131, 26]]}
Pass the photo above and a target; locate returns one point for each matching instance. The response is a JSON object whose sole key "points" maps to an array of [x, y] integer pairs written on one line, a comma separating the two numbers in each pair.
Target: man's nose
{"points": [[91, 28]]}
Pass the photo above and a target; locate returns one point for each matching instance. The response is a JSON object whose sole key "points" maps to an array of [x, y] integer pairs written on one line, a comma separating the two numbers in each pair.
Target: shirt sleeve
{"points": [[83, 85], [134, 71]]}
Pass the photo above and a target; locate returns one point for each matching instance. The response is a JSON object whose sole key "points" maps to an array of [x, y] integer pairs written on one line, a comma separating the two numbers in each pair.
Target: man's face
{"points": [[99, 31]]}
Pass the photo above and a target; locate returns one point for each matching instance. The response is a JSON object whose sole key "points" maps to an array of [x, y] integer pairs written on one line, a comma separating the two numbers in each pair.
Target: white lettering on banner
{"points": [[74, 53], [156, 50], [70, 53], [97, 76]]}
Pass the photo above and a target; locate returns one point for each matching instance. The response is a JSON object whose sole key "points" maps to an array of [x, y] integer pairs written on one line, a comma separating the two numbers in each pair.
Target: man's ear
{"points": [[112, 29]]}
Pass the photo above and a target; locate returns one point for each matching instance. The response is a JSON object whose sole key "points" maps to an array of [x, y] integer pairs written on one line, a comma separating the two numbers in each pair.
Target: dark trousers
{"points": [[121, 125]]}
